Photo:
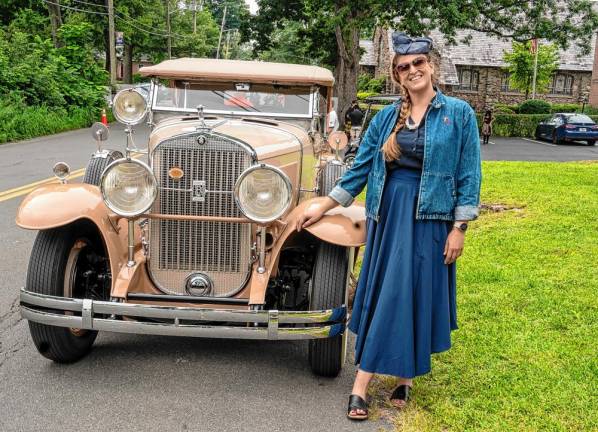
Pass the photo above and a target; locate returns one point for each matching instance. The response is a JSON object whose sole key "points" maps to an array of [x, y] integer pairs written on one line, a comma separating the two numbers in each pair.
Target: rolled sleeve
{"points": [[469, 172], [341, 196]]}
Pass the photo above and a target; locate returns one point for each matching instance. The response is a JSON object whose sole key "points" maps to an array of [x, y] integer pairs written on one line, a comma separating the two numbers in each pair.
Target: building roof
{"points": [[487, 50], [239, 70]]}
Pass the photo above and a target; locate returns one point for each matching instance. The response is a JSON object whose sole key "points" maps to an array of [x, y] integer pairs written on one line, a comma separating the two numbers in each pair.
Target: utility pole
{"points": [[221, 30], [194, 16], [111, 48], [537, 46], [168, 40]]}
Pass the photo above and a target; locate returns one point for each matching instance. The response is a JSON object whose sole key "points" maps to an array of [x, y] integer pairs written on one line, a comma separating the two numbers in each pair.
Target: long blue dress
{"points": [[405, 302]]}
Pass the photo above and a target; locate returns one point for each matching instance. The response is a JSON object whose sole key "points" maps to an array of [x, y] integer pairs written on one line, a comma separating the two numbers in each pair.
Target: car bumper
{"points": [[580, 136], [181, 321]]}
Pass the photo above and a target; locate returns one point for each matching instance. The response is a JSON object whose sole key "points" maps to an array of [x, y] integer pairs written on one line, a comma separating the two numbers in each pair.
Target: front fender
{"points": [[57, 205]]}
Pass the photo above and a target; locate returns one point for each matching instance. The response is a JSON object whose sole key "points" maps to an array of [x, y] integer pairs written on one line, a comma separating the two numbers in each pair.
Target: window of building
{"points": [[505, 85], [561, 84], [469, 79]]}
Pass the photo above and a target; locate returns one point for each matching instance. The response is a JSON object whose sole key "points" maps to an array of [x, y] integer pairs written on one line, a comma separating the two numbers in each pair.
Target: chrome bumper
{"points": [[181, 321]]}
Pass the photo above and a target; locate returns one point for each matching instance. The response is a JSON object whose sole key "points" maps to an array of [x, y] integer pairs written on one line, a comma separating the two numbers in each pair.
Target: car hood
{"points": [[267, 137]]}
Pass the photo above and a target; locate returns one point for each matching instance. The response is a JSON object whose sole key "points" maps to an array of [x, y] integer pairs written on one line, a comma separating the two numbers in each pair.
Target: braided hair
{"points": [[391, 148]]}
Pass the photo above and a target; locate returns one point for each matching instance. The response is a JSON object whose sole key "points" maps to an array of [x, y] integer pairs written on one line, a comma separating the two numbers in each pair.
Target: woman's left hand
{"points": [[454, 246]]}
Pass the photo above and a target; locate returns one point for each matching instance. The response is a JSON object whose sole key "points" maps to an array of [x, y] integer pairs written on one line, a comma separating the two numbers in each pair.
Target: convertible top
{"points": [[204, 69]]}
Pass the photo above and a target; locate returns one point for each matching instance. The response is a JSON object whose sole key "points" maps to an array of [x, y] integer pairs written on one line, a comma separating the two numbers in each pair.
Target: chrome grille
{"points": [[211, 165]]}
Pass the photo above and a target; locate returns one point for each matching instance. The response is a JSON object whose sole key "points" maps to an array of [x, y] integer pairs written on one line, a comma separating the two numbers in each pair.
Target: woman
{"points": [[420, 159], [487, 126]]}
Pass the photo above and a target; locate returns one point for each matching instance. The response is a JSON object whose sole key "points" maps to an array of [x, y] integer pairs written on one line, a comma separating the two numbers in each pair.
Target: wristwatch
{"points": [[461, 226]]}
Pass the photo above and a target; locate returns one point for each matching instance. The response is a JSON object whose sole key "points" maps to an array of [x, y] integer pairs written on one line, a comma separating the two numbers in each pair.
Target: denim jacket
{"points": [[451, 174]]}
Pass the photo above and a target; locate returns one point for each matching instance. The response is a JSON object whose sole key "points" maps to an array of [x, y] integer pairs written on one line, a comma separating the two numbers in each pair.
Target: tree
{"points": [[336, 24], [521, 66]]}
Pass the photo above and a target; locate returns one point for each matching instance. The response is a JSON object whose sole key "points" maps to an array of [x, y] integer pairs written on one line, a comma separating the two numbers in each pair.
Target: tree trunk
{"points": [[347, 69], [56, 21], [128, 64]]}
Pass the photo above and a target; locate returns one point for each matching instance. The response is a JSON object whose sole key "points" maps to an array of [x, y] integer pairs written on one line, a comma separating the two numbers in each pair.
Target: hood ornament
{"points": [[203, 127]]}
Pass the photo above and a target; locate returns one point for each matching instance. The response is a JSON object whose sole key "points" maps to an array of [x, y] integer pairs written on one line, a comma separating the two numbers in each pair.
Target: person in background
{"points": [[487, 126], [333, 123], [420, 159], [354, 115]]}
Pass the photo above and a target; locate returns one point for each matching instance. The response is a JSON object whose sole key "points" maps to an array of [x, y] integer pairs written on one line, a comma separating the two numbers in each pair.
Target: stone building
{"points": [[475, 72]]}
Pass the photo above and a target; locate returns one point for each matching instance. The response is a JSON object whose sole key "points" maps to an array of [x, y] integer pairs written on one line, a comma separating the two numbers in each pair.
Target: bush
{"points": [[365, 94], [534, 106], [19, 122], [377, 84], [516, 125], [565, 107], [362, 82]]}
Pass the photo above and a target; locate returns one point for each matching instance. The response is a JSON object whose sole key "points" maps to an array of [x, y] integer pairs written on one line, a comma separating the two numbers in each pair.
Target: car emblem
{"points": [[198, 284], [201, 140], [199, 191], [176, 173]]}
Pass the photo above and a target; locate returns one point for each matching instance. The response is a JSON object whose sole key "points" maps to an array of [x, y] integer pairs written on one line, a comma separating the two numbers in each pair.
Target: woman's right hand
{"points": [[314, 212]]}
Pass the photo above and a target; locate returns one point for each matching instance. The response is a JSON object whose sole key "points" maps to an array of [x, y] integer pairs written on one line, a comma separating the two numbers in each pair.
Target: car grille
{"points": [[210, 165]]}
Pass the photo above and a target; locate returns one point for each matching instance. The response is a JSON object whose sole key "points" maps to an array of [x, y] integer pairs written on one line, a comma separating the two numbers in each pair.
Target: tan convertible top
{"points": [[239, 71]]}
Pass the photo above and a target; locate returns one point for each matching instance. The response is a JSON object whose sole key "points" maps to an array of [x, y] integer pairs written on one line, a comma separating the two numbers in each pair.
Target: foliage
{"points": [[362, 82], [19, 121], [365, 94], [37, 73], [520, 63], [287, 46], [526, 311], [534, 106], [565, 107]]}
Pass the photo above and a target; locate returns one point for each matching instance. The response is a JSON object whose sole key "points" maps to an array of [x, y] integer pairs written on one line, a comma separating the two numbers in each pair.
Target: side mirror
{"points": [[337, 141]]}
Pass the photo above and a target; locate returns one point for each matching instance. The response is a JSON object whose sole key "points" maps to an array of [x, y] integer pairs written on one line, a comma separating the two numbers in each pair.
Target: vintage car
{"points": [[195, 234]]}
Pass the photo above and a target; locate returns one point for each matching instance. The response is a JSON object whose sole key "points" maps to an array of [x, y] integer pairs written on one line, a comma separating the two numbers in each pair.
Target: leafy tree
{"points": [[520, 63], [335, 25]]}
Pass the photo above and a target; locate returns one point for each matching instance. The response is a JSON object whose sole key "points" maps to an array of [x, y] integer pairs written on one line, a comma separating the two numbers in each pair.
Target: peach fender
{"points": [[52, 206], [343, 226]]}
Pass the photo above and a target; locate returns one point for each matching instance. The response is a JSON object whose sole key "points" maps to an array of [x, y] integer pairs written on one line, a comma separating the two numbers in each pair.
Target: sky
{"points": [[252, 6]]}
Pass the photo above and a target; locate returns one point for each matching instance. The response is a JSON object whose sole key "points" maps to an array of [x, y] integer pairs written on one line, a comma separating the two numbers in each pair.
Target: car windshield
{"points": [[235, 99], [579, 118]]}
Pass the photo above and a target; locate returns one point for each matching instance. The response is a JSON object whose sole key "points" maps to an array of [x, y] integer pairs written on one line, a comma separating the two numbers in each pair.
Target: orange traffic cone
{"points": [[104, 118]]}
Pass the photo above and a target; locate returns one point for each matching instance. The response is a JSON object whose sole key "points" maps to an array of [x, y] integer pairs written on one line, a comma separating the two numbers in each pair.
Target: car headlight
{"points": [[128, 187], [263, 193], [129, 106]]}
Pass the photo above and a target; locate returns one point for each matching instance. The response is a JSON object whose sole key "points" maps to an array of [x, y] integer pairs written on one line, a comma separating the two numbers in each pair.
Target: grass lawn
{"points": [[525, 357]]}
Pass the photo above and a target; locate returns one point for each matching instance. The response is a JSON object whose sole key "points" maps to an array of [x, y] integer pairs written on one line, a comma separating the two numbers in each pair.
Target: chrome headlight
{"points": [[128, 187], [129, 106], [263, 193]]}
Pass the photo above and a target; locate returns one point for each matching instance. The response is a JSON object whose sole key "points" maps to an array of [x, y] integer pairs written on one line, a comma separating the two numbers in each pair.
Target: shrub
{"points": [[365, 94], [534, 106], [376, 85], [362, 82], [565, 107]]}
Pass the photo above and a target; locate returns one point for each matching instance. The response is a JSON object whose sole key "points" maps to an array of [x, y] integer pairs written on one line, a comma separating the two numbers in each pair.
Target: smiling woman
{"points": [[420, 194]]}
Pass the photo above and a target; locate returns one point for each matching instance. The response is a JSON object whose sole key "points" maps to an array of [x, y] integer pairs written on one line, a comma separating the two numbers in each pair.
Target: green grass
{"points": [[525, 357], [24, 122]]}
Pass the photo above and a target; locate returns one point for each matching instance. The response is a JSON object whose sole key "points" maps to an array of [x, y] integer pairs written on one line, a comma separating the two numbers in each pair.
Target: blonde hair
{"points": [[391, 148]]}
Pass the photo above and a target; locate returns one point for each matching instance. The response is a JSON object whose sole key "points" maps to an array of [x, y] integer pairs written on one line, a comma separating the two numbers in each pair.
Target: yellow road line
{"points": [[22, 190], [25, 189]]}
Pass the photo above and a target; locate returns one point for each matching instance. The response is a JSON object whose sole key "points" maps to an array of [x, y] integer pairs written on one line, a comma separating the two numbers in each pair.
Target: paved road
{"points": [[145, 383], [525, 149], [150, 383]]}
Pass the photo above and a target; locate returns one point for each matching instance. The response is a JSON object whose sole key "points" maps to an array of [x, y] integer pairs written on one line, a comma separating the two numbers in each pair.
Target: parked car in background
{"points": [[371, 102], [568, 127], [194, 235]]}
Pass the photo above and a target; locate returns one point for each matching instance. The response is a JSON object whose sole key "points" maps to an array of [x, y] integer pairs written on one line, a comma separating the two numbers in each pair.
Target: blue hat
{"points": [[403, 44]]}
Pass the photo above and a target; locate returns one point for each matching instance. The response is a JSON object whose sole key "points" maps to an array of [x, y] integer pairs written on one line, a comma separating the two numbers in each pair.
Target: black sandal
{"points": [[357, 403], [400, 393]]}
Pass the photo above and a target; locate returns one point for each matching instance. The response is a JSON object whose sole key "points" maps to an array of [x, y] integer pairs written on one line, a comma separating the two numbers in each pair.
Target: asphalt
{"points": [[145, 383]]}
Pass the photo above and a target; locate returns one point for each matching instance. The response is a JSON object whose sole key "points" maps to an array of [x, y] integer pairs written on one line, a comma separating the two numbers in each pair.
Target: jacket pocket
{"points": [[439, 193]]}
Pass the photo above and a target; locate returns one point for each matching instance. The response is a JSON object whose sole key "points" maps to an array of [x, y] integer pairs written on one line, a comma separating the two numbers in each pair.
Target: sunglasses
{"points": [[417, 63]]}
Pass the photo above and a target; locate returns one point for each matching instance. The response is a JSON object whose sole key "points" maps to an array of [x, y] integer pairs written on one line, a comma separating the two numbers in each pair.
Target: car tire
{"points": [[330, 175], [591, 142], [555, 139], [97, 165], [329, 282], [58, 261]]}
